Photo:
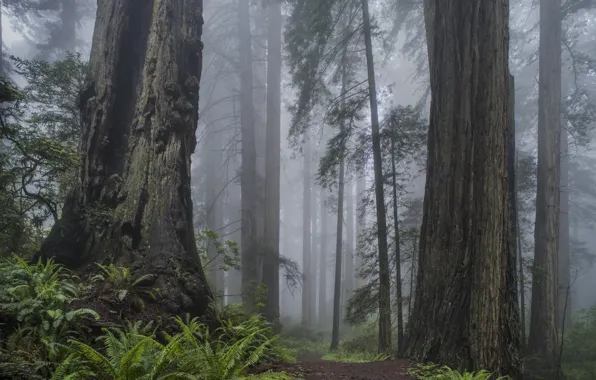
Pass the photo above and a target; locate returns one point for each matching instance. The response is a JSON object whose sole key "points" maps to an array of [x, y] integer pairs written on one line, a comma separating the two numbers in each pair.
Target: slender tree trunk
{"points": [[412, 284], [564, 270], [272, 162], [520, 257], [259, 47], [384, 280], [465, 256], [315, 238], [349, 262], [398, 290], [306, 235], [360, 222], [338, 254], [340, 214], [323, 263], [133, 206], [248, 175], [543, 340]]}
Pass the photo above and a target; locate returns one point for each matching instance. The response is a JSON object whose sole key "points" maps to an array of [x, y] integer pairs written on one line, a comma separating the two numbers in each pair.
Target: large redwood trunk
{"points": [[140, 112], [465, 312]]}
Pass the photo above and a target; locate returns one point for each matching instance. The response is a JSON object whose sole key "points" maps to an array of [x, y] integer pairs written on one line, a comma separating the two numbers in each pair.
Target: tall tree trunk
{"points": [[133, 206], [260, 107], [564, 270], [465, 256], [272, 162], [314, 239], [306, 235], [512, 189], [248, 175], [360, 222], [323, 262], [338, 247], [384, 280], [543, 340], [398, 290], [340, 212], [349, 259]]}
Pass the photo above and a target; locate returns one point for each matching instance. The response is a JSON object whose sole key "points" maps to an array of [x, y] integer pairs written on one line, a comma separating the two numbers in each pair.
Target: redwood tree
{"points": [[465, 312], [140, 111]]}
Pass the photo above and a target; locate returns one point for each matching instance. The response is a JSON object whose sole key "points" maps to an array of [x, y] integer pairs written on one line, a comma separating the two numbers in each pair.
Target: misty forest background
{"points": [[310, 202]]}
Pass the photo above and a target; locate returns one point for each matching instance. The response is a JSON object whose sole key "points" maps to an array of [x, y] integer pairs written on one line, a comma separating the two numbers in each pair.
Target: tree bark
{"points": [[340, 211], [272, 162], [248, 171], [398, 289], [465, 311], [543, 339], [384, 280], [140, 110], [306, 233], [338, 246], [349, 259], [314, 239], [564, 270], [360, 222], [323, 263]]}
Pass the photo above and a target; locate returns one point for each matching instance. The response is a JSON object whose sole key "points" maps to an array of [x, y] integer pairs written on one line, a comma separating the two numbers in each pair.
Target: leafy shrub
{"points": [[432, 371]]}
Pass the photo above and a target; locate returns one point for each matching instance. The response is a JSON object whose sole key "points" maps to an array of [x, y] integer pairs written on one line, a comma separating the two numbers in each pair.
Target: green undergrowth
{"points": [[430, 371], [43, 334], [354, 356]]}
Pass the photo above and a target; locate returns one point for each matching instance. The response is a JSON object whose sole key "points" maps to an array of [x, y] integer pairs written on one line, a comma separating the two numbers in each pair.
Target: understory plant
{"points": [[431, 371], [36, 304], [128, 289], [191, 354]]}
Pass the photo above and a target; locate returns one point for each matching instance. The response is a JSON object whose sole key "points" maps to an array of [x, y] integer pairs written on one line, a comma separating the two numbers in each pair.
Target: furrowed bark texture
{"points": [[140, 113], [543, 338], [465, 312]]}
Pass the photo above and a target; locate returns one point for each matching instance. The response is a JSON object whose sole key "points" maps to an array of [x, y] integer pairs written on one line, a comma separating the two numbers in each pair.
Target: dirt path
{"points": [[312, 367]]}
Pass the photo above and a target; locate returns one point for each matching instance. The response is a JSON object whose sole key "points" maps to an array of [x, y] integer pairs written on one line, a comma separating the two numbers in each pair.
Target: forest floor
{"points": [[312, 367]]}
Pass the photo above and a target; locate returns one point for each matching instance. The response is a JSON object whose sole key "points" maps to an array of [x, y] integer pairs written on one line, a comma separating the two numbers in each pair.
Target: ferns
{"points": [[191, 354], [435, 372], [36, 299], [125, 285]]}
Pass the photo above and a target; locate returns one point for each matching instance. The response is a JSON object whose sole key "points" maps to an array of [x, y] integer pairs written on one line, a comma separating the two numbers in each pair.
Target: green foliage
{"points": [[36, 302], [355, 356], [213, 251], [191, 354], [237, 324], [579, 351], [39, 159], [431, 371], [127, 288]]}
